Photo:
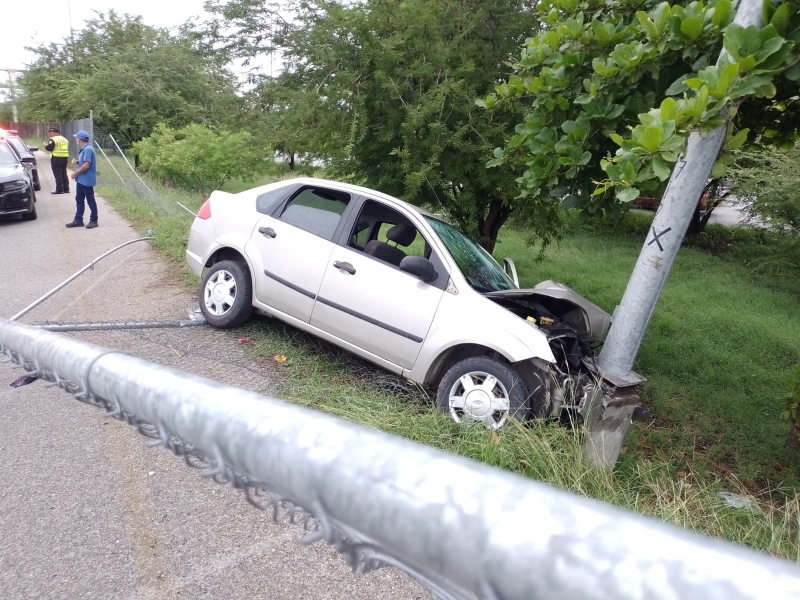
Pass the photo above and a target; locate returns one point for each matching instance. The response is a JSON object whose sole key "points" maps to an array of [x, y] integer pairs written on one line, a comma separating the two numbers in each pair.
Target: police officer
{"points": [[59, 147]]}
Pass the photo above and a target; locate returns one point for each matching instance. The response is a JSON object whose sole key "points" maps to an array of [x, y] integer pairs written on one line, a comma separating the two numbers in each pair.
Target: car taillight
{"points": [[205, 211]]}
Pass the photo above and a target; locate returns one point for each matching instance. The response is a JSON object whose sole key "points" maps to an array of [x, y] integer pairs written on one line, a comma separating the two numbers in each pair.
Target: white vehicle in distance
{"points": [[401, 288]]}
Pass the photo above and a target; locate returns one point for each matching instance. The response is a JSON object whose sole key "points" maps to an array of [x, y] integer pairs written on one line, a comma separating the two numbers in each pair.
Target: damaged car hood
{"points": [[589, 320]]}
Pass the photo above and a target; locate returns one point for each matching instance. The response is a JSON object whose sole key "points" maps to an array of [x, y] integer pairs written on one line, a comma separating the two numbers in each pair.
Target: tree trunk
{"points": [[291, 161], [695, 224], [489, 227], [794, 437]]}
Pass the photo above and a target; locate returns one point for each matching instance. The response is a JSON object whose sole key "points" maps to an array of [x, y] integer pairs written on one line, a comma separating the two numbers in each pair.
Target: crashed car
{"points": [[401, 288]]}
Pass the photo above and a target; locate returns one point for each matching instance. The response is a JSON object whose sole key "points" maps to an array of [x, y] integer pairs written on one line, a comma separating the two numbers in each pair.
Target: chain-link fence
{"points": [[117, 169], [462, 529]]}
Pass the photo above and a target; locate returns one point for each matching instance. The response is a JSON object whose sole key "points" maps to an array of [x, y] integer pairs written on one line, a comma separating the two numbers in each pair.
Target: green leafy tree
{"points": [[131, 75], [385, 92], [199, 158], [767, 182], [612, 90]]}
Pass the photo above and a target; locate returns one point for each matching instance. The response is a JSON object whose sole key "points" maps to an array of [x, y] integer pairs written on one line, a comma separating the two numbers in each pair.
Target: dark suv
{"points": [[17, 196], [24, 152]]}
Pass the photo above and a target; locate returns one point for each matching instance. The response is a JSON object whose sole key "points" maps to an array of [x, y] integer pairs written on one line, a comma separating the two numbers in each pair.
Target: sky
{"points": [[50, 21]]}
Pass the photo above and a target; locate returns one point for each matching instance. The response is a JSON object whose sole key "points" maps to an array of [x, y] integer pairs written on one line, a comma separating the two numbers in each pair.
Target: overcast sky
{"points": [[32, 23]]}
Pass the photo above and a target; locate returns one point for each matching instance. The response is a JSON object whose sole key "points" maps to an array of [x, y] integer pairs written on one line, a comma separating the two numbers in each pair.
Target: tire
{"points": [[31, 216], [486, 403], [37, 185], [226, 279]]}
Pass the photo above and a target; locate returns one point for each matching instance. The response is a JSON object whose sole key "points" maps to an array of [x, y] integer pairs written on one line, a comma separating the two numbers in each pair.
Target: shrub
{"points": [[202, 159], [768, 184]]}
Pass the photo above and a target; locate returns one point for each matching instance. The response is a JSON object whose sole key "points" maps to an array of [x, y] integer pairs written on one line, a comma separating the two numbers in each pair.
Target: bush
{"points": [[768, 184], [202, 159]]}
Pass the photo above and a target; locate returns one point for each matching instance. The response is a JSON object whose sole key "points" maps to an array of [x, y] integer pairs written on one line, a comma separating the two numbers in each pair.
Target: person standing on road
{"points": [[58, 146], [85, 178]]}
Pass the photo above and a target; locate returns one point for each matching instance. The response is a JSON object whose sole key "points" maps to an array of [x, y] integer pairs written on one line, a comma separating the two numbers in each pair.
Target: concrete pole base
{"points": [[606, 424]]}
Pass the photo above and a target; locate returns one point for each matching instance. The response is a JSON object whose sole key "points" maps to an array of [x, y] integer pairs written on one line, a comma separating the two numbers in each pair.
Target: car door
{"points": [[291, 248], [371, 303]]}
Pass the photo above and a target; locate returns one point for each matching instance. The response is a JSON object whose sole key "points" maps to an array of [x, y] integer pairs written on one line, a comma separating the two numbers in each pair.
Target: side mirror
{"points": [[29, 160], [420, 268], [33, 148]]}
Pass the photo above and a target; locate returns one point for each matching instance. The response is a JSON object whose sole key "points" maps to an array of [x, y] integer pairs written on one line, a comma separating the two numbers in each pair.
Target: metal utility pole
{"points": [[15, 116], [609, 419]]}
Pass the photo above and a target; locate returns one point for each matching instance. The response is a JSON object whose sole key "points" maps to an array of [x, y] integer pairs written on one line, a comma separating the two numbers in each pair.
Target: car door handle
{"points": [[345, 267], [267, 231]]}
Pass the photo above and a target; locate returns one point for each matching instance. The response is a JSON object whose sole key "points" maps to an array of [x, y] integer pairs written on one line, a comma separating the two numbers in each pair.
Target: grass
{"points": [[718, 352], [719, 347]]}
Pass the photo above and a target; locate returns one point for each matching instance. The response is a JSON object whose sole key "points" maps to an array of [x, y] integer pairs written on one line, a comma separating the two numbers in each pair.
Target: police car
{"points": [[24, 152], [17, 195]]}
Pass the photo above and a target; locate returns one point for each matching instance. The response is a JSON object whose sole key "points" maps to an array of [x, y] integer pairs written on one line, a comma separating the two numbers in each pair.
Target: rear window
{"points": [[317, 211]]}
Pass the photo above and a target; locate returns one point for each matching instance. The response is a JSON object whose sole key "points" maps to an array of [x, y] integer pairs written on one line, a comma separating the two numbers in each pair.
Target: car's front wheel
{"points": [[482, 390], [226, 294], [31, 216]]}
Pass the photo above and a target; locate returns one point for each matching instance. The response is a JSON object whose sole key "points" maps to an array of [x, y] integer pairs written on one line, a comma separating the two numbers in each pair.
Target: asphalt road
{"points": [[86, 509]]}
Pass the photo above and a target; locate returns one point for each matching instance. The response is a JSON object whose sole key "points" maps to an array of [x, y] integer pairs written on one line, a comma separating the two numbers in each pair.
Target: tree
{"points": [[131, 75], [385, 92], [200, 158], [613, 88]]}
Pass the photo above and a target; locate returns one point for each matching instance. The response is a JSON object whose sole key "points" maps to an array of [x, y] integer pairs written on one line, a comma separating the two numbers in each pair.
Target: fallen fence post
{"points": [[461, 528], [73, 327], [69, 280]]}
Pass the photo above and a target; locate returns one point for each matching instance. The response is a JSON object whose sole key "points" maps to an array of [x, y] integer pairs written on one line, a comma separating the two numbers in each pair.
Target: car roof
{"points": [[357, 189]]}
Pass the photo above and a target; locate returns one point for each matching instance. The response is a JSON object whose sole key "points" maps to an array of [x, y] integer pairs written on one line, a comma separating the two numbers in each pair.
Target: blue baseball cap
{"points": [[82, 135]]}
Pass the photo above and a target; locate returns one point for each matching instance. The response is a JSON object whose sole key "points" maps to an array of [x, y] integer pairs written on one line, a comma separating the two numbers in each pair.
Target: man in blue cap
{"points": [[85, 178]]}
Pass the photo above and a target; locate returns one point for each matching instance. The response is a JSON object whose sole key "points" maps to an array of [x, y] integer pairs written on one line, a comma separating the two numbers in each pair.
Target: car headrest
{"points": [[401, 234]]}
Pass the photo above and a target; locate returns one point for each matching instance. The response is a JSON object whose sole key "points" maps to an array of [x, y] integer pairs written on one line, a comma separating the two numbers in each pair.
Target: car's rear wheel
{"points": [[483, 390], [226, 294], [31, 216]]}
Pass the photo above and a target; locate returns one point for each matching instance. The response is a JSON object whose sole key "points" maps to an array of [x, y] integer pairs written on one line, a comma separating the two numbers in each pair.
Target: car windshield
{"points": [[476, 264], [7, 157]]}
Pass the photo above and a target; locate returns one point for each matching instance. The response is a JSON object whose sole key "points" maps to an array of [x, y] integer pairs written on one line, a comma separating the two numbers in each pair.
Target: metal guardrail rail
{"points": [[461, 528]]}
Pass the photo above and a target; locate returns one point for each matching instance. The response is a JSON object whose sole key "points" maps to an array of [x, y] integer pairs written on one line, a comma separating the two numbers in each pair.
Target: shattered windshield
{"points": [[476, 264]]}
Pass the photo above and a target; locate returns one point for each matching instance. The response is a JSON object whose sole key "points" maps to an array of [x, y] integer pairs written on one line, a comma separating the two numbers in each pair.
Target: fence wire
{"points": [[118, 170], [460, 528]]}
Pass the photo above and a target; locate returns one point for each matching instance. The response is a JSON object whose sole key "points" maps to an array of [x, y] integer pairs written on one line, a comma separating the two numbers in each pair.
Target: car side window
{"points": [[316, 210], [386, 235], [360, 236], [417, 247], [265, 203]]}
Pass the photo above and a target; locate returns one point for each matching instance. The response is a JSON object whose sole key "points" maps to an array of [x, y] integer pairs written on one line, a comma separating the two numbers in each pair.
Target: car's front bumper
{"points": [[16, 203]]}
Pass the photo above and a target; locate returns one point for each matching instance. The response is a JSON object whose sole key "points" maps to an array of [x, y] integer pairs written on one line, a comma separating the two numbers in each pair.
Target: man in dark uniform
{"points": [[58, 146]]}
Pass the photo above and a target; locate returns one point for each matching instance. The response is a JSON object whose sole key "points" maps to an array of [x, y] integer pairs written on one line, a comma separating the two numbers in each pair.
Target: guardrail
{"points": [[461, 528]]}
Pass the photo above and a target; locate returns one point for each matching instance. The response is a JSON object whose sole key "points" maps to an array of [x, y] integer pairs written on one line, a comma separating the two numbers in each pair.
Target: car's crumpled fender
{"points": [[497, 329]]}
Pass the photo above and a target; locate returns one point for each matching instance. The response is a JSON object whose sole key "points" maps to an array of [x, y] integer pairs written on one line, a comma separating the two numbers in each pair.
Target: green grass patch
{"points": [[717, 355], [722, 340]]}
